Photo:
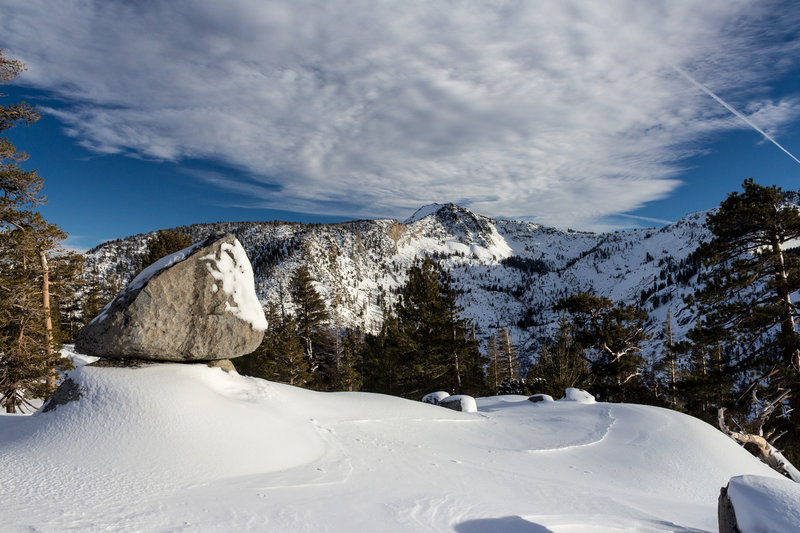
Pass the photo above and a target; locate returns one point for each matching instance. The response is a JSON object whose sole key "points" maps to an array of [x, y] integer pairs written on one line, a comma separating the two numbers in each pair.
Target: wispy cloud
{"points": [[567, 111]]}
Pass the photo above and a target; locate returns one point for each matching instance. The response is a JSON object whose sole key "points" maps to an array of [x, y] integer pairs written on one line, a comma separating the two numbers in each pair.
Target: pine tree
{"points": [[746, 314], [561, 365], [21, 189], [612, 335], [386, 355], [494, 356], [311, 315], [348, 376], [28, 334], [165, 242], [424, 345], [669, 362], [280, 357], [504, 359]]}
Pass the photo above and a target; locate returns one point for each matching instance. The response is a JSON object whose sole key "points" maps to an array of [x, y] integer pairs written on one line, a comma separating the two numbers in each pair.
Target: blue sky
{"points": [[569, 113]]}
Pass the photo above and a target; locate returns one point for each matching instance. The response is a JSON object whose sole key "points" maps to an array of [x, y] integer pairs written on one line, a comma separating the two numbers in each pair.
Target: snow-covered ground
{"points": [[176, 447]]}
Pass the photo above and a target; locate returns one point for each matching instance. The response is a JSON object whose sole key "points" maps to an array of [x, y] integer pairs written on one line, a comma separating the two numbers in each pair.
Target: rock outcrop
{"points": [[435, 397], [198, 304], [460, 402]]}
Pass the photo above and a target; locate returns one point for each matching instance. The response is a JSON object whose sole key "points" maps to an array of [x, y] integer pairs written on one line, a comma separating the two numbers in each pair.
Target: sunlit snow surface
{"points": [[174, 447], [234, 272]]}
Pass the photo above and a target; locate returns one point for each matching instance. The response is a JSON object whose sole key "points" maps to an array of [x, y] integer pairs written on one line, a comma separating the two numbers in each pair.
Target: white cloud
{"points": [[564, 111]]}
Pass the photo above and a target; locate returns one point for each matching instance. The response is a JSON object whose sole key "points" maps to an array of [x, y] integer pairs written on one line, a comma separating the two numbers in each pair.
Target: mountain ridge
{"points": [[509, 273]]}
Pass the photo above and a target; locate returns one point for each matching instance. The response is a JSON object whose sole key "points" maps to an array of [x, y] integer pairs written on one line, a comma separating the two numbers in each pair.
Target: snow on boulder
{"points": [[536, 398], [435, 397], [577, 395], [460, 402], [198, 304], [762, 504]]}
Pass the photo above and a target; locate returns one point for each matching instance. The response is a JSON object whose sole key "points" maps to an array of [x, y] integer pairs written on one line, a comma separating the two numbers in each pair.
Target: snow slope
{"points": [[176, 447]]}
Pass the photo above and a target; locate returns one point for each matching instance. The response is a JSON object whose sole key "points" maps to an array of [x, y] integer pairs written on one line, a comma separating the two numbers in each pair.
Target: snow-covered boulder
{"points": [[460, 402], [760, 504], [435, 397], [197, 304], [577, 395], [536, 398]]}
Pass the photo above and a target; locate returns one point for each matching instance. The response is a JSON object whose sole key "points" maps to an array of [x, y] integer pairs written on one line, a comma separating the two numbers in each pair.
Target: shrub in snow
{"points": [[460, 402], [512, 386], [577, 395], [536, 398], [435, 397]]}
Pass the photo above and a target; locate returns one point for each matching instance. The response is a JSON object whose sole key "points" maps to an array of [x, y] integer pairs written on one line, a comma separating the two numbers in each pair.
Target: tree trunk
{"points": [[48, 320], [509, 355], [791, 350]]}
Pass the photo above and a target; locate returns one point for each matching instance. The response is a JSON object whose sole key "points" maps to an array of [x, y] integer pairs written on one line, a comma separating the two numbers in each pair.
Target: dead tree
{"points": [[757, 442]]}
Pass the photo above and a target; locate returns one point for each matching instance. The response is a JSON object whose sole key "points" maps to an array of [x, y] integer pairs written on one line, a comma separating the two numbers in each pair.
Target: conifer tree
{"points": [[561, 365], [504, 356], [28, 269], [348, 376], [669, 362], [746, 313], [612, 335], [311, 315], [424, 345], [385, 358], [165, 242], [280, 357]]}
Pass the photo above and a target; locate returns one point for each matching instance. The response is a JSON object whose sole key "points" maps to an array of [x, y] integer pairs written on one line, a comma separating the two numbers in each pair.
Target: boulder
{"points": [[67, 392], [537, 398], [752, 503], [577, 395], [198, 304], [460, 402], [226, 365], [435, 397]]}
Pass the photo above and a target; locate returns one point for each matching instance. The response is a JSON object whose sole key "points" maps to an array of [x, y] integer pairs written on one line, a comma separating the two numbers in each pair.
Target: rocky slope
{"points": [[510, 272]]}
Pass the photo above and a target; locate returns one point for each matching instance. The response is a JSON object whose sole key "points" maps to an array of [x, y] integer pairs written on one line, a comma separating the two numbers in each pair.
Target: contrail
{"points": [[732, 110]]}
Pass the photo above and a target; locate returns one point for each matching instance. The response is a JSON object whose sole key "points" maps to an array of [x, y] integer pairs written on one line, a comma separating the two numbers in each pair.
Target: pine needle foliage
{"points": [[747, 321], [32, 276]]}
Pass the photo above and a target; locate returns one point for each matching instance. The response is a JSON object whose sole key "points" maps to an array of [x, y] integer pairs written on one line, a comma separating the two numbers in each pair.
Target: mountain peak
{"points": [[424, 211]]}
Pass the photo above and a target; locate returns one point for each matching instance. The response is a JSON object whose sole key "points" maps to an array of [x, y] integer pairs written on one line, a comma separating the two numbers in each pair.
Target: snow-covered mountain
{"points": [[509, 272]]}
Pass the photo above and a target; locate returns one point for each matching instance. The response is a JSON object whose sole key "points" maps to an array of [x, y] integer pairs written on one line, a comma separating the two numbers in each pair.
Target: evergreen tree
{"points": [[165, 242], [473, 373], [28, 334], [311, 315], [385, 358], [348, 375], [670, 360], [612, 335], [280, 357], [494, 357], [21, 189], [746, 317], [505, 364], [424, 345], [98, 292], [561, 365]]}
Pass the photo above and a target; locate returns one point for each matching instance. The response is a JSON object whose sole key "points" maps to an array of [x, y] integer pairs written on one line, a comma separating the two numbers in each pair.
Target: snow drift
{"points": [[187, 447]]}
